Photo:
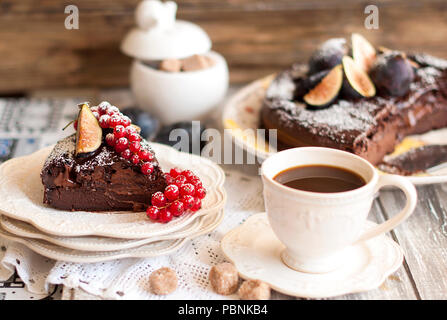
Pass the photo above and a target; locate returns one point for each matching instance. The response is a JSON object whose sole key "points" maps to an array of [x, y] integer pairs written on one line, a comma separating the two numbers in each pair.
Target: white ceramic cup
{"points": [[316, 228]]}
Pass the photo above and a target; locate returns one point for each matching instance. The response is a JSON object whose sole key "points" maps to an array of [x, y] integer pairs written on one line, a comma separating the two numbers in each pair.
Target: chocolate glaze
{"points": [[370, 127], [101, 181], [416, 160]]}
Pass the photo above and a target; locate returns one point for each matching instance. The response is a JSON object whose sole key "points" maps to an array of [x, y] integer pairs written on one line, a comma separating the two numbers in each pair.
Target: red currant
{"points": [[110, 139], [94, 109], [104, 121], [126, 154], [125, 120], [130, 129], [175, 172], [196, 182], [145, 155], [200, 193], [133, 136], [165, 215], [187, 189], [134, 146], [188, 202], [152, 212], [119, 132], [112, 110], [147, 168], [197, 205], [75, 125], [102, 107], [176, 208], [115, 120], [96, 114], [169, 179], [172, 192], [180, 180], [135, 159], [158, 199], [188, 174], [121, 144]]}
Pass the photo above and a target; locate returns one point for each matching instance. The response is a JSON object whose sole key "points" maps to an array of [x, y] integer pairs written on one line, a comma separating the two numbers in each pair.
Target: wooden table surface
{"points": [[423, 237]]}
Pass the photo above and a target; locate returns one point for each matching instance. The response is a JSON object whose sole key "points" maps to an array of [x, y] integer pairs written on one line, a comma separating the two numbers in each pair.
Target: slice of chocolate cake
{"points": [[102, 179], [367, 126]]}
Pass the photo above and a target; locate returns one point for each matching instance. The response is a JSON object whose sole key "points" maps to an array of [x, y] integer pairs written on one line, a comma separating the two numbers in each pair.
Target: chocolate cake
{"points": [[367, 126], [105, 166], [103, 181]]}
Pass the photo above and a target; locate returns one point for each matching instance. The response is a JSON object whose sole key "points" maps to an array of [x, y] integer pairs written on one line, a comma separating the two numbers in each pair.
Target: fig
{"points": [[363, 52], [88, 133], [392, 73], [357, 83], [326, 91], [304, 84], [328, 55]]}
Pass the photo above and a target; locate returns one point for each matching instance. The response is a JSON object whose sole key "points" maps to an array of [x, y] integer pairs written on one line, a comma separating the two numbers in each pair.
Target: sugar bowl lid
{"points": [[159, 35]]}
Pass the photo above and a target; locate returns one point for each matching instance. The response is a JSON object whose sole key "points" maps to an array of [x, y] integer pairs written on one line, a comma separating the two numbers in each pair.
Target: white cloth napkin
{"points": [[129, 278]]}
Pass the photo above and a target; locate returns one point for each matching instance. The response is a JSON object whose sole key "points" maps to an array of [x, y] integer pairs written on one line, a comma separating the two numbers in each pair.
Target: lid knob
{"points": [[155, 14]]}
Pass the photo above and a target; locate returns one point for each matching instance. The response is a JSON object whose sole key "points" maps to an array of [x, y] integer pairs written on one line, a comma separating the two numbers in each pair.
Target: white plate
{"points": [[153, 249], [243, 109], [92, 243], [21, 191], [255, 251]]}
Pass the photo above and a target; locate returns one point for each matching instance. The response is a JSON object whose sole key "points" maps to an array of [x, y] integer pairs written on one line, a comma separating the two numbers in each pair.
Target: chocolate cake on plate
{"points": [[364, 104], [92, 171]]}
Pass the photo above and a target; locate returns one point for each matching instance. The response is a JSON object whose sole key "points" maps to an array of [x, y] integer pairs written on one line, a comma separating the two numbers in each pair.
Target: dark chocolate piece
{"points": [[102, 181], [416, 160]]}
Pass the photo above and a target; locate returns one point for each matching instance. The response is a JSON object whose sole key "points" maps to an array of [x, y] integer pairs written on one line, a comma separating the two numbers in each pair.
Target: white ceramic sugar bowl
{"points": [[172, 96]]}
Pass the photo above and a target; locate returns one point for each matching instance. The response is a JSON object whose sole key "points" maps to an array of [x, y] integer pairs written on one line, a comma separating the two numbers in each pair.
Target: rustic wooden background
{"points": [[256, 37]]}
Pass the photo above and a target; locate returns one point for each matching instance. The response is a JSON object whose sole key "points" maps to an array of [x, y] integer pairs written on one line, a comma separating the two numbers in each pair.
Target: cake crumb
{"points": [[254, 290], [224, 278], [163, 281]]}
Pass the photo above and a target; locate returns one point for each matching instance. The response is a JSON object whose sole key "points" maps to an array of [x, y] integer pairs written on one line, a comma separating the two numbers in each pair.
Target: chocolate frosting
{"points": [[101, 181]]}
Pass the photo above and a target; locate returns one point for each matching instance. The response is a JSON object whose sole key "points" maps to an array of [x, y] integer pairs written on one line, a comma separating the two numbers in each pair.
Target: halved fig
{"points": [[357, 83], [363, 52], [328, 55], [88, 133], [326, 91], [393, 73]]}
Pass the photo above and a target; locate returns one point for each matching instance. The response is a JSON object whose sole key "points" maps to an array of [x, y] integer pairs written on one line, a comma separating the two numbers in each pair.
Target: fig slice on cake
{"points": [[357, 83], [363, 52], [88, 133], [326, 91]]}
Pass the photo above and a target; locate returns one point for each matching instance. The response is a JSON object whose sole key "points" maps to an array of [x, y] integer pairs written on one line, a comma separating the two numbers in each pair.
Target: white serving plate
{"points": [[242, 111], [152, 249], [21, 191], [93, 243]]}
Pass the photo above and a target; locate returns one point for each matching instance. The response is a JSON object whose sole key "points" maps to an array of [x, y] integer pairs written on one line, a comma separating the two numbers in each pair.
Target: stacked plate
{"points": [[82, 236]]}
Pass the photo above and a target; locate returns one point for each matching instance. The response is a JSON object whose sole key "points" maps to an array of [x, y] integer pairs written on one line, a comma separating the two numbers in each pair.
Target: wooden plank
{"points": [[257, 38], [422, 240]]}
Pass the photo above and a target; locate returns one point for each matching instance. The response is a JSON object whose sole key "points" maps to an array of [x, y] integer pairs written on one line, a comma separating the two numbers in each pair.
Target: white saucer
{"points": [[152, 249], [94, 243], [255, 251]]}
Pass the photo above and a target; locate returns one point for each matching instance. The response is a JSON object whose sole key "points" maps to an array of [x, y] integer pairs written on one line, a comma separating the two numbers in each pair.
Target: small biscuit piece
{"points": [[163, 281], [224, 278], [195, 62], [171, 65], [254, 290]]}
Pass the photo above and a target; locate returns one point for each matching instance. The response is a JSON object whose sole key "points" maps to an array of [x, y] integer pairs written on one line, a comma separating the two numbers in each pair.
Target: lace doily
{"points": [[129, 278]]}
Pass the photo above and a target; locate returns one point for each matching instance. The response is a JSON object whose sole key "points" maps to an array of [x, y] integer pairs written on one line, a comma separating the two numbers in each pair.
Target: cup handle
{"points": [[410, 193]]}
